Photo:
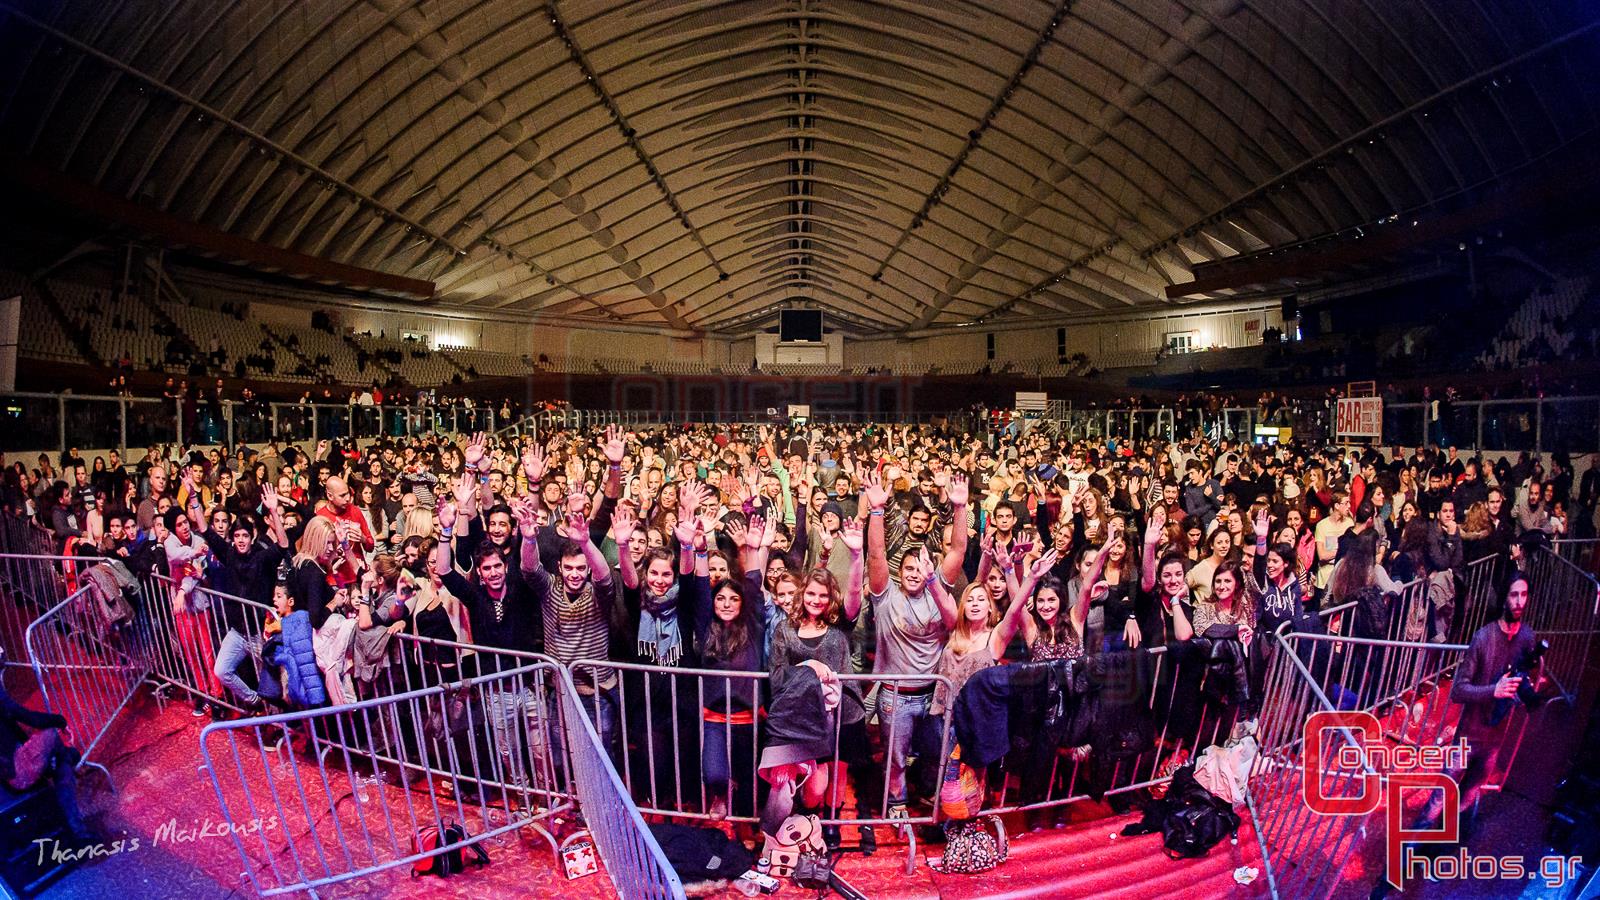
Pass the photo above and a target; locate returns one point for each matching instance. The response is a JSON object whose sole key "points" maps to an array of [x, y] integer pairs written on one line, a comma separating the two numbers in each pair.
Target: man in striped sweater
{"points": [[576, 604]]}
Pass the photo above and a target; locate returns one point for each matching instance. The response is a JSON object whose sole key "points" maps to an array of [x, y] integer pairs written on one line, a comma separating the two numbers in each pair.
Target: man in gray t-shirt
{"points": [[914, 614]]}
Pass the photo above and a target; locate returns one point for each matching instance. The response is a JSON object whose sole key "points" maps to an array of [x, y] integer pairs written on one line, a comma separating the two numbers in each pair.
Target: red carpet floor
{"points": [[154, 761]]}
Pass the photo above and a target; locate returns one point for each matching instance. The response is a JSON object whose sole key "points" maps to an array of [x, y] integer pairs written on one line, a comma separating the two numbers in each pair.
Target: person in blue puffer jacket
{"points": [[296, 655]]}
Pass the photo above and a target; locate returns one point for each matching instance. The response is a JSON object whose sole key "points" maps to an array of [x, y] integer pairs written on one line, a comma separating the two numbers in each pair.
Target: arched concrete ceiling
{"points": [[901, 164]]}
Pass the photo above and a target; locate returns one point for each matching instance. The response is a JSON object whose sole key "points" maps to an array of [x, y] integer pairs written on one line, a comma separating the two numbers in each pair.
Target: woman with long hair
{"points": [[981, 635], [1089, 519], [1219, 548], [1164, 577], [818, 629], [1229, 604], [1274, 578], [1117, 569], [729, 626], [310, 571]]}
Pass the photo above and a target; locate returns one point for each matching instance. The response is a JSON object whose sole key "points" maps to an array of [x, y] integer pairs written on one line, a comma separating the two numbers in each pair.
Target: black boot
{"points": [[869, 841], [832, 838]]}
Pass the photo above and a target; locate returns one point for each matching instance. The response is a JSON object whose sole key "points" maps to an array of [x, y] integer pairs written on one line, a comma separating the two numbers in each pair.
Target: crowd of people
{"points": [[916, 554]]}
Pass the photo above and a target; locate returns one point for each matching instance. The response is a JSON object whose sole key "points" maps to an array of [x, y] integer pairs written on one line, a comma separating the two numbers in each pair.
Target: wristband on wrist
{"points": [[876, 512], [444, 532]]}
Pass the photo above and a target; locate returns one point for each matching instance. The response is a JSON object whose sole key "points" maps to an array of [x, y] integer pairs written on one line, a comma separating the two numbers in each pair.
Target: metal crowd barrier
{"points": [[1581, 552], [374, 774], [633, 859], [663, 740], [1405, 686], [513, 766], [31, 584], [1305, 851], [1563, 608], [86, 671], [1180, 733]]}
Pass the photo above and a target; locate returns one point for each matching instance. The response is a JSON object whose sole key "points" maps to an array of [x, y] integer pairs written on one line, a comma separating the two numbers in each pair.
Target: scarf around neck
{"points": [[659, 637]]}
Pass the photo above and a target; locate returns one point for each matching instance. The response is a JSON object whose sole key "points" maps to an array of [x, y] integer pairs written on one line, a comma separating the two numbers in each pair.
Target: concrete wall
{"points": [[766, 348]]}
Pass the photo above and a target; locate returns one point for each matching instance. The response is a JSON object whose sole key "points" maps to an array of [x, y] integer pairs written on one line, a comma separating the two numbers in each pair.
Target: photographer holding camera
{"points": [[1502, 666]]}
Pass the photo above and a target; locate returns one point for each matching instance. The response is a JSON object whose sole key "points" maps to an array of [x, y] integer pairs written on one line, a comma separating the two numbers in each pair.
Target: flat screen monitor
{"points": [[803, 325]]}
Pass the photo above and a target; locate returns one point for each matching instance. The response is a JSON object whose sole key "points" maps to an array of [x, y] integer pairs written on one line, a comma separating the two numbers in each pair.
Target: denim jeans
{"points": [[727, 749], [235, 649], [899, 716], [602, 709], [518, 722]]}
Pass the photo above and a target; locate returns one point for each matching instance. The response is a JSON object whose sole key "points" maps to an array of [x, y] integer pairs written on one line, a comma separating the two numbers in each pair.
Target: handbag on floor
{"points": [[970, 847]]}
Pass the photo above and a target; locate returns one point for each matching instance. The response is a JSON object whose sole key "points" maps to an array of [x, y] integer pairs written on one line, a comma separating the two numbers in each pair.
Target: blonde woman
{"points": [[980, 635]]}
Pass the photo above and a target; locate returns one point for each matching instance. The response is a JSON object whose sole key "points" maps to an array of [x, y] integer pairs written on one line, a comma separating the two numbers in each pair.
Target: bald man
{"points": [[338, 505]]}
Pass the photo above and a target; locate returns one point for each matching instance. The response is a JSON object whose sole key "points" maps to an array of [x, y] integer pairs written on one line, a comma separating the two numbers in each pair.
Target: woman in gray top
{"points": [[818, 628]]}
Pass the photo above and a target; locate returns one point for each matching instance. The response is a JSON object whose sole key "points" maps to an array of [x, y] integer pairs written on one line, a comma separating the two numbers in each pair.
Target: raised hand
{"points": [[956, 488], [528, 517], [1158, 521], [463, 489], [1261, 525], [623, 524], [576, 499], [852, 535], [1042, 566], [269, 498], [690, 495], [447, 515], [736, 531], [533, 464], [577, 526], [752, 534], [473, 453], [685, 529], [872, 488], [614, 446]]}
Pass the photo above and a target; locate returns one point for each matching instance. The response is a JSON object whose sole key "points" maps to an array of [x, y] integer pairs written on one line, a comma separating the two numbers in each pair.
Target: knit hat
{"points": [[832, 506]]}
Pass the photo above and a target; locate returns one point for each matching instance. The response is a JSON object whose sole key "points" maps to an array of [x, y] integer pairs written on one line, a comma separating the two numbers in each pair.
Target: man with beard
{"points": [[1486, 688], [1530, 512]]}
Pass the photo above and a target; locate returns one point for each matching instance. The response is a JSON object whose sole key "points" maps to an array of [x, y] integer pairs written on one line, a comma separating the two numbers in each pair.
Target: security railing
{"points": [[668, 734], [87, 668], [305, 820], [633, 859], [32, 581]]}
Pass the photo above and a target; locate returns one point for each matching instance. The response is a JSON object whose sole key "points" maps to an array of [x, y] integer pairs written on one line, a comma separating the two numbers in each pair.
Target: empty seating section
{"points": [[418, 364], [1540, 329], [492, 363], [327, 353], [1543, 328], [240, 339], [41, 335]]}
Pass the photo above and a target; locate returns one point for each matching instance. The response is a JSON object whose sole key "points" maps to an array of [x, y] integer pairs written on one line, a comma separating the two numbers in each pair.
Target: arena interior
{"points": [[903, 449]]}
